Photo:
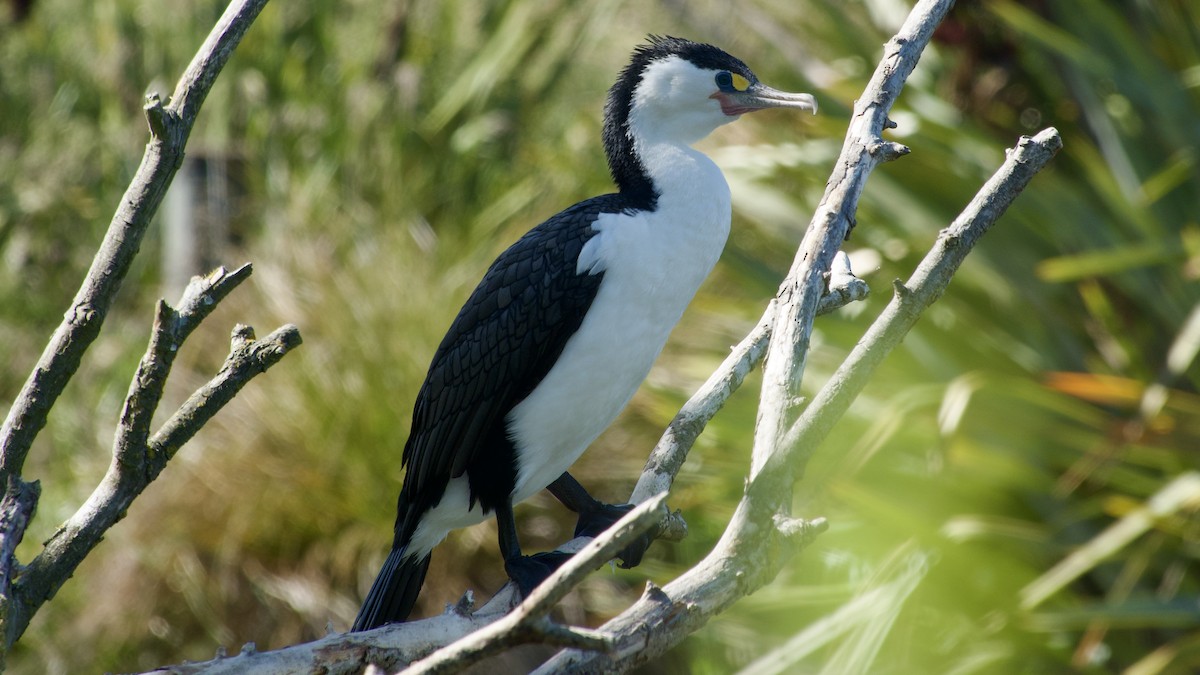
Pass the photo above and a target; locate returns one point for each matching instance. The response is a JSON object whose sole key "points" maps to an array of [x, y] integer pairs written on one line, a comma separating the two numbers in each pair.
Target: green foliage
{"points": [[392, 149]]}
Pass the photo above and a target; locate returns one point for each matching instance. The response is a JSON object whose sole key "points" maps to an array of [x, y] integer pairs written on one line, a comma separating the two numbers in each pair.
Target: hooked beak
{"points": [[759, 96]]}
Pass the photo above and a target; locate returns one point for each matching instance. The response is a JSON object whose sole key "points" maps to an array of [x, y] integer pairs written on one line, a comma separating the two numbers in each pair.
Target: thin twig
{"points": [[672, 449], [800, 292], [170, 127], [109, 501], [171, 328], [911, 298], [248, 358]]}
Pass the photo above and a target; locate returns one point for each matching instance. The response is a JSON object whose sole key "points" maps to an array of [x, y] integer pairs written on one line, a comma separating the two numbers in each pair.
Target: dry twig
{"points": [[138, 457]]}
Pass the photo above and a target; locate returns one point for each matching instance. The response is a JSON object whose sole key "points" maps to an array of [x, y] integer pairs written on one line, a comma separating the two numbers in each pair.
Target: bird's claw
{"points": [[592, 523], [529, 571]]}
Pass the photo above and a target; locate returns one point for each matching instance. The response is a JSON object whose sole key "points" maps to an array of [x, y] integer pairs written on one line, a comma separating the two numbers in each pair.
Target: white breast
{"points": [[653, 262]]}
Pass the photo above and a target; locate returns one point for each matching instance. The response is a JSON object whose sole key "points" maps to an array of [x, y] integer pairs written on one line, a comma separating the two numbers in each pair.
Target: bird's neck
{"points": [[645, 169], [627, 168], [681, 174]]}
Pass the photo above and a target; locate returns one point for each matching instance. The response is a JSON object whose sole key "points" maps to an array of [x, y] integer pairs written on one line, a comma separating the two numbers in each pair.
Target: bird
{"points": [[567, 322]]}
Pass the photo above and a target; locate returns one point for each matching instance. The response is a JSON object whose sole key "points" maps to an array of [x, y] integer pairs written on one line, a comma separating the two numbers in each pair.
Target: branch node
{"points": [[842, 287], [81, 314], [241, 338], [951, 238], [248, 649], [887, 151], [903, 293], [655, 594], [156, 115], [673, 527], [798, 531], [464, 606]]}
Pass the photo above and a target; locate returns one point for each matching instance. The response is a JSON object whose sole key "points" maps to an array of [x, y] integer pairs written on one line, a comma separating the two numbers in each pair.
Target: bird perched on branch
{"points": [[566, 323]]}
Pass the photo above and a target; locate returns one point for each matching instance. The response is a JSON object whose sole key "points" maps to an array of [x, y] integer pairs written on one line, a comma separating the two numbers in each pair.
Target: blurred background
{"points": [[371, 158]]}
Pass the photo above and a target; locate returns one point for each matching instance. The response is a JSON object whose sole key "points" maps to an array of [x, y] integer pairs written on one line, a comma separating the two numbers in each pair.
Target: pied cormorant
{"points": [[566, 323]]}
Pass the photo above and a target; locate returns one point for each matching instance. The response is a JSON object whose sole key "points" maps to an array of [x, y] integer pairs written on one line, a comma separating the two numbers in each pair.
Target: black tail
{"points": [[394, 592]]}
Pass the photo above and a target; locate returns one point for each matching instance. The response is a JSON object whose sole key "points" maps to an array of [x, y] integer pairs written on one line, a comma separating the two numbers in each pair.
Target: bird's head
{"points": [[679, 91]]}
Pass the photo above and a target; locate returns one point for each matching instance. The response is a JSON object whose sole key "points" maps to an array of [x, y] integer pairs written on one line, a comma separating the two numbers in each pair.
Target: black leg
{"points": [[595, 516], [526, 571], [573, 495]]}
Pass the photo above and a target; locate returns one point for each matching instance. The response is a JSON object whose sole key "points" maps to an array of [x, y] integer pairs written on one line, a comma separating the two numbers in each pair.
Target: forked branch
{"points": [[170, 126], [754, 548], [137, 457], [138, 460]]}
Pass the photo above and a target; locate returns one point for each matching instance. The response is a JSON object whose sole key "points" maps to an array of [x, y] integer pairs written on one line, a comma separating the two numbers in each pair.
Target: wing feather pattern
{"points": [[503, 342]]}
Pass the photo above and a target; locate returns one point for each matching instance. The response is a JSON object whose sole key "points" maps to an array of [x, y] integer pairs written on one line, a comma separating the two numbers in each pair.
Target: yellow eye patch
{"points": [[740, 83]]}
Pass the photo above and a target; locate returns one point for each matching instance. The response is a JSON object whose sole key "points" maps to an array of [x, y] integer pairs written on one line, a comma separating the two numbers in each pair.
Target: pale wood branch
{"points": [[491, 629], [912, 297], [671, 451], [137, 458], [528, 622], [759, 541], [127, 477], [170, 126], [800, 292]]}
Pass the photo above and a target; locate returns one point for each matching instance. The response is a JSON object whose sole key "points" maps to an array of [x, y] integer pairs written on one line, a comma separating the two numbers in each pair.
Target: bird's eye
{"points": [[729, 82]]}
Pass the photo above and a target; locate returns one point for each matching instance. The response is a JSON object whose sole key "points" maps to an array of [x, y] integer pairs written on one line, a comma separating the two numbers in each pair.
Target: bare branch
{"points": [[800, 292], [120, 486], [759, 539], [16, 510], [913, 297], [843, 287], [170, 127], [248, 358], [387, 649], [171, 328], [487, 631], [137, 458], [671, 451]]}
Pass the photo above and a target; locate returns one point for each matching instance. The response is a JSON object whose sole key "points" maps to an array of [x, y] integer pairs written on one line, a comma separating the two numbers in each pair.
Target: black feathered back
{"points": [[503, 342]]}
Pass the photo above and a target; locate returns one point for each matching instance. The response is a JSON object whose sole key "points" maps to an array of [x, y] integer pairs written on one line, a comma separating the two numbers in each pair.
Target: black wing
{"points": [[505, 339]]}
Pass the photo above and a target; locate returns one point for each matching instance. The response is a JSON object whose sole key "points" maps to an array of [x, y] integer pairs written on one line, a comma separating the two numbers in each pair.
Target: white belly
{"points": [[653, 263]]}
